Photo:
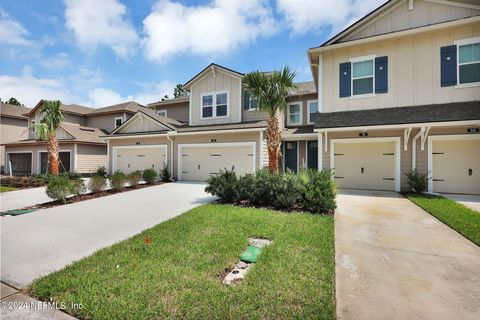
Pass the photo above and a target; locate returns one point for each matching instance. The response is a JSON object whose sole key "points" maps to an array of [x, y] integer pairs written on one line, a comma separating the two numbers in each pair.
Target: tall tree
{"points": [[14, 101], [179, 91], [51, 118], [270, 90]]}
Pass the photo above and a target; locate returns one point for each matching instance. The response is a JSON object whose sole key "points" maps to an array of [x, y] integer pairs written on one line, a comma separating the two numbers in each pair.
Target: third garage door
{"points": [[197, 163], [367, 165]]}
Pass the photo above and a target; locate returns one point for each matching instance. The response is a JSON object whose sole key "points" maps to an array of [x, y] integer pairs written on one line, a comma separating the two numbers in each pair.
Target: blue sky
{"points": [[98, 53]]}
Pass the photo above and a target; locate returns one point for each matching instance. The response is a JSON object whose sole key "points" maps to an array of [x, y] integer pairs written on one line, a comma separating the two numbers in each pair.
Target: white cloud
{"points": [[304, 16], [151, 92], [216, 28], [11, 31], [57, 61], [101, 23], [29, 90]]}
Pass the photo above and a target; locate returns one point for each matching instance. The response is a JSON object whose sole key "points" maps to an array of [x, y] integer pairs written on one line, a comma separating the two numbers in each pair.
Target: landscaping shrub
{"points": [[97, 183], [165, 174], [101, 171], [417, 181], [319, 192], [149, 175], [71, 175], [78, 187], [59, 188], [134, 178], [118, 180], [309, 190], [23, 182], [223, 185]]}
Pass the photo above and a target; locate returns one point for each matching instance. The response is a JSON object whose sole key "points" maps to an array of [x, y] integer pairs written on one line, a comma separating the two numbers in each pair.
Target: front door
{"points": [[312, 154], [291, 154]]}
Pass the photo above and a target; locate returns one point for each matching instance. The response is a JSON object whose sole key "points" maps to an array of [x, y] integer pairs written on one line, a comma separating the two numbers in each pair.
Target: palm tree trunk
{"points": [[274, 140], [52, 149]]}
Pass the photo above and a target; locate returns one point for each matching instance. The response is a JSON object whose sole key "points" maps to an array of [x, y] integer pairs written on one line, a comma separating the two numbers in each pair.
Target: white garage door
{"points": [[129, 159], [197, 163], [456, 166], [368, 165]]}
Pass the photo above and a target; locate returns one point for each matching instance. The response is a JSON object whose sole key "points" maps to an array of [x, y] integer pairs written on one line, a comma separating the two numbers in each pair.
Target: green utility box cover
{"points": [[17, 212], [250, 254]]}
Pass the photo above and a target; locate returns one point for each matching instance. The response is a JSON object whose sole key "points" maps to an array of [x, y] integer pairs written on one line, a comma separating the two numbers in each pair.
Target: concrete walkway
{"points": [[395, 261], [40, 242], [16, 305], [471, 201], [22, 198]]}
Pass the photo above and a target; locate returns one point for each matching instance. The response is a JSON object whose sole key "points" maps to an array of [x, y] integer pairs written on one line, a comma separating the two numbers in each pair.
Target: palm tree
{"points": [[270, 90], [50, 119]]}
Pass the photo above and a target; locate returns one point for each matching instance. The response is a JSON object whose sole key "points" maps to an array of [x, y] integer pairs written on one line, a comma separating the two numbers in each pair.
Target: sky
{"points": [[102, 52]]}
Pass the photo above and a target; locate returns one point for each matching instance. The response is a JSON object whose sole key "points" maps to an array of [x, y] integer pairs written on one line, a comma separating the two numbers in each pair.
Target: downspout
{"points": [[170, 133], [414, 147]]}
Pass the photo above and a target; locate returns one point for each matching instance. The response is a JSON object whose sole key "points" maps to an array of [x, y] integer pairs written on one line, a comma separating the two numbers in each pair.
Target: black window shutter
{"points": [[381, 74], [345, 79], [448, 66], [246, 100]]}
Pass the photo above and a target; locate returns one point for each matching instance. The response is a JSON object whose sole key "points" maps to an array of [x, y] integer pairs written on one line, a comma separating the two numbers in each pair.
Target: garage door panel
{"points": [[198, 163], [133, 159], [456, 166], [369, 165]]}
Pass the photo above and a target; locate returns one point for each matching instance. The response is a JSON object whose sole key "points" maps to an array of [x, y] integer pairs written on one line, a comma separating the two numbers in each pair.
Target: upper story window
{"points": [[214, 105], [362, 77], [469, 63], [294, 116], [118, 122], [312, 110], [248, 102], [162, 113]]}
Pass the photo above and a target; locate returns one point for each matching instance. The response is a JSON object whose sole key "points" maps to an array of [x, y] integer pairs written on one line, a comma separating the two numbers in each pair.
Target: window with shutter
{"points": [[469, 63]]}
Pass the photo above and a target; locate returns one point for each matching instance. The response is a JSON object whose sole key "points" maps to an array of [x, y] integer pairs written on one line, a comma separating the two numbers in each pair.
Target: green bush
{"points": [[59, 188], [310, 190], [319, 192], [97, 183], [149, 175], [70, 175], [223, 185], [134, 178], [118, 180], [165, 174], [417, 181], [101, 171], [78, 187]]}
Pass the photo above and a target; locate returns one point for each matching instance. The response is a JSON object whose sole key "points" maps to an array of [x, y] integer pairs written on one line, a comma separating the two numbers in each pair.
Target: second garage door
{"points": [[368, 165], [197, 163], [456, 166], [129, 159]]}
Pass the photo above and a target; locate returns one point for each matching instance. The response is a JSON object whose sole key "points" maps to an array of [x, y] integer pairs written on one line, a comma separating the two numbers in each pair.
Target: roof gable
{"points": [[143, 122], [212, 68]]}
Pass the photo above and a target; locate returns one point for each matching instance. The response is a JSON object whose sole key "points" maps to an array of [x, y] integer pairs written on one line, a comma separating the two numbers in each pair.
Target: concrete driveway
{"points": [[471, 201], [395, 261], [22, 198], [40, 242]]}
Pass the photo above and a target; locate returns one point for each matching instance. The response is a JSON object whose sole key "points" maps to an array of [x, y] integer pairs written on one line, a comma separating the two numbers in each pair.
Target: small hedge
{"points": [[310, 190], [149, 175]]}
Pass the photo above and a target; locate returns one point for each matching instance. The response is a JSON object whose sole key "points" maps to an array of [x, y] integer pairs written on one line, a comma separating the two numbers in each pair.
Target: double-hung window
{"points": [[215, 105], [312, 110], [363, 77], [294, 113], [162, 113], [469, 63], [248, 102], [118, 122]]}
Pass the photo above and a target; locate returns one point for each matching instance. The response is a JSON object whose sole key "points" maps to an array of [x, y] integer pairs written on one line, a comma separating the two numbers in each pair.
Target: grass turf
{"points": [[460, 218], [178, 276], [6, 189]]}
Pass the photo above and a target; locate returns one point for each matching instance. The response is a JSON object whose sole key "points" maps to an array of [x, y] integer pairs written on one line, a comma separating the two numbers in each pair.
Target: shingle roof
{"points": [[458, 111], [83, 134], [131, 106], [304, 88], [293, 132], [169, 101], [12, 111], [76, 108]]}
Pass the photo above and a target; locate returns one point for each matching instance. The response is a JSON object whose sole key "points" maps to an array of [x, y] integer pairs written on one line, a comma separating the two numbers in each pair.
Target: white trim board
{"points": [[210, 145], [397, 141], [448, 137], [139, 146]]}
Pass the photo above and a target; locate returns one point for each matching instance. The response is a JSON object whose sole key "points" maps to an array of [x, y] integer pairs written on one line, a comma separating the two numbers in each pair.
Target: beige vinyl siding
{"points": [[424, 13], [90, 157], [71, 118], [413, 71], [302, 155], [41, 148], [253, 115], [177, 111], [264, 152], [106, 121], [11, 130], [220, 83]]}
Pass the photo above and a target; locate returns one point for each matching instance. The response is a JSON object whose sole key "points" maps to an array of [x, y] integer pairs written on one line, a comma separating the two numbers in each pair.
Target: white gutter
{"points": [[172, 133]]}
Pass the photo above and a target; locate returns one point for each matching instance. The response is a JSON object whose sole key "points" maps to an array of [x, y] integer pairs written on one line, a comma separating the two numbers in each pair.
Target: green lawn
{"points": [[179, 276], [6, 189], [460, 218]]}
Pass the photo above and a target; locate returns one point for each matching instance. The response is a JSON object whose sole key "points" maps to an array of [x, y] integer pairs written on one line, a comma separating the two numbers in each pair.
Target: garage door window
{"points": [[215, 105]]}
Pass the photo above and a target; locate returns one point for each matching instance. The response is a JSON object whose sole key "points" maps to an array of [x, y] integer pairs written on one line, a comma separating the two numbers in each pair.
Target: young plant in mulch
{"points": [[134, 178]]}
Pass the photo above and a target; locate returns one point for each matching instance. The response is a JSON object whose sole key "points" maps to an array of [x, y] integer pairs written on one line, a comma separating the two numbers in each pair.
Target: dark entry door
{"points": [[21, 163], [312, 161], [64, 161], [291, 153]]}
